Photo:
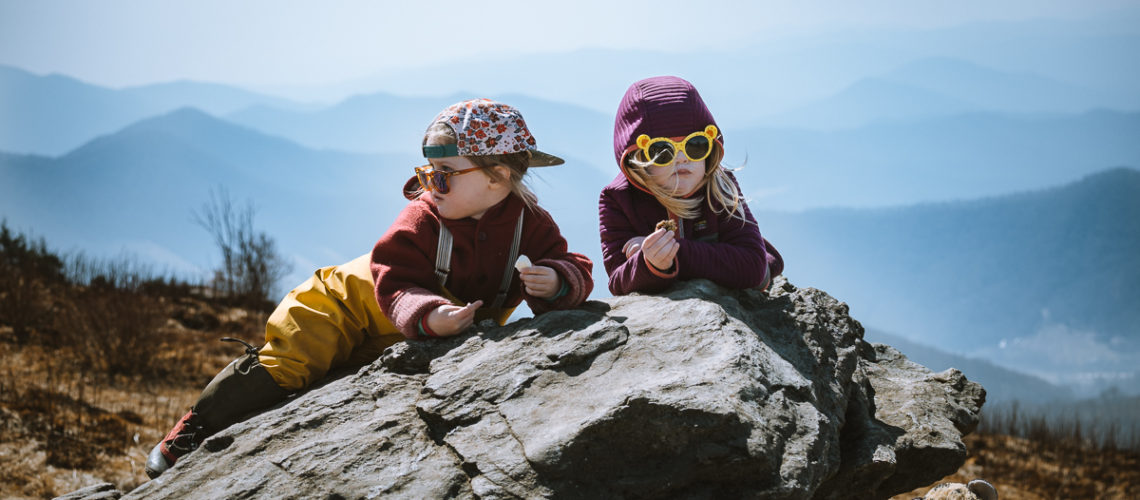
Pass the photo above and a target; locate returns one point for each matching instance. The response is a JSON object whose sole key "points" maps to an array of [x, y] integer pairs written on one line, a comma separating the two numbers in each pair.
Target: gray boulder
{"points": [[700, 392], [101, 491]]}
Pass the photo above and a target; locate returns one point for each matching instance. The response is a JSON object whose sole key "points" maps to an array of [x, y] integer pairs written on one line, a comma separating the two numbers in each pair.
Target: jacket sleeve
{"points": [[546, 247], [737, 260], [403, 263], [631, 274]]}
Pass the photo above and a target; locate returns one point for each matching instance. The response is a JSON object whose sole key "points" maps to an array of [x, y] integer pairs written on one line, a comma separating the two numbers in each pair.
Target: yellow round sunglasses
{"points": [[661, 151]]}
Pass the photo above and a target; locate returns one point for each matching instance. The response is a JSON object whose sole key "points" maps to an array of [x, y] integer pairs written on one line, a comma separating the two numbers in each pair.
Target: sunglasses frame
{"points": [[644, 142], [432, 179]]}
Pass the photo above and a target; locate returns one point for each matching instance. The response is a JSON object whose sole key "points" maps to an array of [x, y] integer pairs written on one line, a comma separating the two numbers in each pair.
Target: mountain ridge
{"points": [[1002, 278], [952, 157], [56, 113], [1002, 384]]}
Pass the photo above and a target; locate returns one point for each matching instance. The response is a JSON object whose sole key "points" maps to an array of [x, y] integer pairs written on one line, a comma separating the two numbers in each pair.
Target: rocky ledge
{"points": [[700, 392]]}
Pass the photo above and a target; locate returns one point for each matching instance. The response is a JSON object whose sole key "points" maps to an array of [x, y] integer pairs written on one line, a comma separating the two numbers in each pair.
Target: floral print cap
{"points": [[486, 127]]}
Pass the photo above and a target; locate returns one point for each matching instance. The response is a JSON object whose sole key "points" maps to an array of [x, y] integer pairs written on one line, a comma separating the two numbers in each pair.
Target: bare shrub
{"points": [[251, 265], [1058, 430], [107, 321], [113, 331], [28, 275]]}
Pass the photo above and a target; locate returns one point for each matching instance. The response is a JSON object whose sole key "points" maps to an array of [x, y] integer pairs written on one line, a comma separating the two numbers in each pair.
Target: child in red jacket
{"points": [[447, 261], [674, 212]]}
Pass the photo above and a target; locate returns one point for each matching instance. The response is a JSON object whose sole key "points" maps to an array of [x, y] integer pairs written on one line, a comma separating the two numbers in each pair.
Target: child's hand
{"points": [[448, 320], [540, 281], [632, 246], [659, 249]]}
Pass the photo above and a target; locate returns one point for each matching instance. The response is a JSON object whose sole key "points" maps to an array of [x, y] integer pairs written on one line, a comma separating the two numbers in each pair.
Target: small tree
{"points": [[251, 265]]}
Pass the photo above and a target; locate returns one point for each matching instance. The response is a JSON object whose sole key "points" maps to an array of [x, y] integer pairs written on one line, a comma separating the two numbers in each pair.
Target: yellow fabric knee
{"points": [[333, 320]]}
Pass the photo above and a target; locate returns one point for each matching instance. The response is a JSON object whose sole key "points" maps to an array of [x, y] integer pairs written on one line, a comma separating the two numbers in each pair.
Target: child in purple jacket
{"points": [[674, 213]]}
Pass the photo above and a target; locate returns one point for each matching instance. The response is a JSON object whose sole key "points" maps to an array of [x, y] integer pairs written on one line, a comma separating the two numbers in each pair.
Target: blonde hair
{"points": [[718, 186], [440, 134]]}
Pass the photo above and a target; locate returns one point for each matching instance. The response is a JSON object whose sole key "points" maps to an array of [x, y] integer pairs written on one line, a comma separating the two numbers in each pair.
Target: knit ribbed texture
{"points": [[662, 106]]}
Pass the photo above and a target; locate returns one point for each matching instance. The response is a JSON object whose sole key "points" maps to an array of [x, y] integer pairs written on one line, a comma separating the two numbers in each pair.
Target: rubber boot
{"points": [[242, 387]]}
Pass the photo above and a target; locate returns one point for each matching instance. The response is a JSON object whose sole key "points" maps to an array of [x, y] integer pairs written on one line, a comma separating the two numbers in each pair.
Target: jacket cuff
{"points": [[423, 329], [662, 274], [562, 291], [410, 308]]}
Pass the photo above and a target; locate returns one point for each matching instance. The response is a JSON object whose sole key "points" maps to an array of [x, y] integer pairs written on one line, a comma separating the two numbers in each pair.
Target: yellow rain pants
{"points": [[333, 320]]}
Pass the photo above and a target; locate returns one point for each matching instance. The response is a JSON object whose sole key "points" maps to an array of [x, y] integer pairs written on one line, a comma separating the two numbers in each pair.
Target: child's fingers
{"points": [[654, 238], [663, 235], [632, 246], [459, 312], [657, 245], [540, 281], [469, 309], [543, 289], [537, 271], [661, 256], [538, 275], [442, 320], [460, 318]]}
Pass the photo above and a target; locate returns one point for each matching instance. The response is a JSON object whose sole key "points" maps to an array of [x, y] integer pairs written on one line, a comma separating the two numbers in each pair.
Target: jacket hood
{"points": [[662, 106]]}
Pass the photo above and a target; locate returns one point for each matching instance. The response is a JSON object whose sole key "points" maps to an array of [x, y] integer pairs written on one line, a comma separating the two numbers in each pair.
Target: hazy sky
{"points": [[257, 43]]}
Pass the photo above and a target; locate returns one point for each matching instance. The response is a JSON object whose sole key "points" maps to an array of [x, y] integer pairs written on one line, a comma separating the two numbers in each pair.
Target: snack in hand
{"points": [[522, 263], [668, 224]]}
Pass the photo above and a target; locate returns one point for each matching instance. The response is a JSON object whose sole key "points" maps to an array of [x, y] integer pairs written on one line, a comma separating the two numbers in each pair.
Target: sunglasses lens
{"points": [[661, 153], [440, 180], [697, 148]]}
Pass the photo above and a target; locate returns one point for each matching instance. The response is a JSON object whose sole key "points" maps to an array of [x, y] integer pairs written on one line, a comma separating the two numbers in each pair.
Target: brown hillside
{"points": [[64, 426]]}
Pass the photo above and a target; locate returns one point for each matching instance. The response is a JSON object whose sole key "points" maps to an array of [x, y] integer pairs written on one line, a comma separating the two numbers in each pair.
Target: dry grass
{"points": [[98, 359], [69, 421], [1023, 469]]}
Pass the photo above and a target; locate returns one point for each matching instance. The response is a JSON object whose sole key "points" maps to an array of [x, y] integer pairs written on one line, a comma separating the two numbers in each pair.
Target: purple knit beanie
{"points": [[662, 106]]}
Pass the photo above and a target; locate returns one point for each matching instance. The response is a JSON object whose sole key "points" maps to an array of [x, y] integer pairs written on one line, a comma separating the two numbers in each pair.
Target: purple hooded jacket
{"points": [[713, 245]]}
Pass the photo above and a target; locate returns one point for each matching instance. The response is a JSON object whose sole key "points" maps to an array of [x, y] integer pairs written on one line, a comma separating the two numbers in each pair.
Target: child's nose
{"points": [[681, 161]]}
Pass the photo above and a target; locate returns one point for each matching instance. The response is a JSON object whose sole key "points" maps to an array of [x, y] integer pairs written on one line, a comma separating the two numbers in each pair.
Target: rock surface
{"points": [[701, 392]]}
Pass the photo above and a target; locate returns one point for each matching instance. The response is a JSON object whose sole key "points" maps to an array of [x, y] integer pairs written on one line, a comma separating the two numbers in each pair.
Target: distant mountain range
{"points": [[1002, 385], [385, 123], [937, 159], [138, 188], [917, 133], [1043, 281], [938, 87], [53, 114]]}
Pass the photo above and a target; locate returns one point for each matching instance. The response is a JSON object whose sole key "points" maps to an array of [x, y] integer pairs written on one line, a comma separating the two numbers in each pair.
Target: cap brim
{"points": [[540, 159]]}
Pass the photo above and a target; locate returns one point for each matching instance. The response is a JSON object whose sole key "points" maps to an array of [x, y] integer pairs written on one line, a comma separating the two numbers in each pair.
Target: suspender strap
{"points": [[508, 272], [443, 260], [443, 255]]}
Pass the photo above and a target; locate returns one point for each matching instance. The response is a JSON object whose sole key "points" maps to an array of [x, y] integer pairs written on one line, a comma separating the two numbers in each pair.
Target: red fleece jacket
{"points": [[403, 261]]}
